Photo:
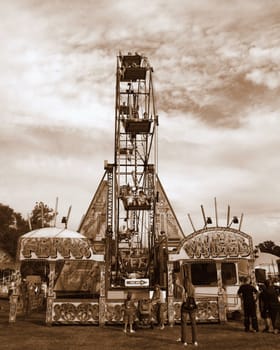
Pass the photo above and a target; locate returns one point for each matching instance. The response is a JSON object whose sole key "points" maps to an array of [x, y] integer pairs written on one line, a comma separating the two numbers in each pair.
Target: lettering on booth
{"points": [[51, 248], [218, 245]]}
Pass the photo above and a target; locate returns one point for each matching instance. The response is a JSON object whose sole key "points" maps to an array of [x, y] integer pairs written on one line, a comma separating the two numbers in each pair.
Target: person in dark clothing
{"points": [[272, 302], [188, 314], [248, 294], [264, 308]]}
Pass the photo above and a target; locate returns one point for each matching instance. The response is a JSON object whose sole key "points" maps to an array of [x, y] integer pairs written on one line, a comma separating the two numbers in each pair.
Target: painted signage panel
{"points": [[218, 244], [55, 248]]}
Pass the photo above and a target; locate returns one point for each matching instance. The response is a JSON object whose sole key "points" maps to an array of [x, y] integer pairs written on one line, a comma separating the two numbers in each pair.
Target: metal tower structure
{"points": [[131, 200], [130, 221]]}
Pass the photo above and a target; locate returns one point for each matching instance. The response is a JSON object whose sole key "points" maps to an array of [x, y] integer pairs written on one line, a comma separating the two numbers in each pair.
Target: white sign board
{"points": [[136, 282]]}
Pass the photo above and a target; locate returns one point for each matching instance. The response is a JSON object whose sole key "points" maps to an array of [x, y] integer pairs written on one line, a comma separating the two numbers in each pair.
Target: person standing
{"points": [[44, 289], [272, 303], [188, 311], [129, 313], [264, 308], [157, 300], [248, 294]]}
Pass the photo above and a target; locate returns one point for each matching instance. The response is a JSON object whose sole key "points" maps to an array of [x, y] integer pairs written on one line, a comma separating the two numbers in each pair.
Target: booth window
{"points": [[204, 274], [229, 276]]}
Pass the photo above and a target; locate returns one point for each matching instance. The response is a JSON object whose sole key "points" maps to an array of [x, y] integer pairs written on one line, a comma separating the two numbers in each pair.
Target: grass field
{"points": [[33, 334]]}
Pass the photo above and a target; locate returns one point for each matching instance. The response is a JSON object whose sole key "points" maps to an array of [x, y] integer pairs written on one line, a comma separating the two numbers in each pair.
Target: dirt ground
{"points": [[32, 333]]}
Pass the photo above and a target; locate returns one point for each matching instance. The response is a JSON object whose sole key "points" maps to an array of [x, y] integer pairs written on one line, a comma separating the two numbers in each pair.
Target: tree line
{"points": [[13, 225]]}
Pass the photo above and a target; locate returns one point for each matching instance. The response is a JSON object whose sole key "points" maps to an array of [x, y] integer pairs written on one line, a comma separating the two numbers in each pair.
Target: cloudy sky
{"points": [[217, 81]]}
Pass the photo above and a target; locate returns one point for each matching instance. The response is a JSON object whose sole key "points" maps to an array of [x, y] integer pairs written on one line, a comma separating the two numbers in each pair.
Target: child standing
{"points": [[129, 313]]}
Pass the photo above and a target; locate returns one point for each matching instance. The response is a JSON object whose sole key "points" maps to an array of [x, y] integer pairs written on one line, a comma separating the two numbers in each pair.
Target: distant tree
{"points": [[269, 247], [12, 226], [41, 216]]}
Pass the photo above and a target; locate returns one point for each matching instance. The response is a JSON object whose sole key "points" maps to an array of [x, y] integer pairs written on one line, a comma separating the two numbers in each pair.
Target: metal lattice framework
{"points": [[131, 251]]}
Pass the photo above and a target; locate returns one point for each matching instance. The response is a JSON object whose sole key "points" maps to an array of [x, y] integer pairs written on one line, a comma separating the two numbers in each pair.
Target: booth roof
{"points": [[53, 232], [266, 259]]}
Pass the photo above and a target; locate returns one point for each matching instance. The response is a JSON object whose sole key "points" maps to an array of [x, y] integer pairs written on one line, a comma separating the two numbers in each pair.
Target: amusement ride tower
{"points": [[130, 220], [131, 233]]}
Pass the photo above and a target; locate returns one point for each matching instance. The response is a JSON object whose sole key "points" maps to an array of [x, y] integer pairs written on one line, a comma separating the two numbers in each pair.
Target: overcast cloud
{"points": [[217, 82]]}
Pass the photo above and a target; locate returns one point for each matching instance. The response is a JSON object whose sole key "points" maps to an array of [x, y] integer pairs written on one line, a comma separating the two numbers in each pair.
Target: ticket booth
{"points": [[217, 259], [73, 275]]}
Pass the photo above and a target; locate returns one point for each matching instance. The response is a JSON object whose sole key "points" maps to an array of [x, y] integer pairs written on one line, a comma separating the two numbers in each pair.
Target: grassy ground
{"points": [[34, 334]]}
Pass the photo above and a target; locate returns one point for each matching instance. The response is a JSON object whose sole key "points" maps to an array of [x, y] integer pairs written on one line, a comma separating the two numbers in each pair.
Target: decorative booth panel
{"points": [[207, 310], [114, 311], [75, 312], [145, 312]]}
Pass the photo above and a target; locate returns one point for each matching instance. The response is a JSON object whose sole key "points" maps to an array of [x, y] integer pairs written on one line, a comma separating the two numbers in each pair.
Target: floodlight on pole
{"points": [[208, 221], [234, 220]]}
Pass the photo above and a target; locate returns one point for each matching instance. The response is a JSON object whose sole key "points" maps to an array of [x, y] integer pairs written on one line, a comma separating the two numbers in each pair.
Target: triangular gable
{"points": [[166, 218], [93, 224]]}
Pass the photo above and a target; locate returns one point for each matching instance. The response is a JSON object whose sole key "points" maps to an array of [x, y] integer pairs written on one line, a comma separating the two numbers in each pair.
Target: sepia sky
{"points": [[217, 83]]}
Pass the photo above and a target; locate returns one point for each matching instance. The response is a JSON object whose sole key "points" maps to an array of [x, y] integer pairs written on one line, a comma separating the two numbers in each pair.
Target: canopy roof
{"points": [[53, 232], [53, 243], [266, 259]]}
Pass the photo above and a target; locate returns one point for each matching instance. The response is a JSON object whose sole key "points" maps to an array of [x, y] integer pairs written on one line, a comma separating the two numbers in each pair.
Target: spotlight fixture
{"points": [[234, 220], [208, 221]]}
